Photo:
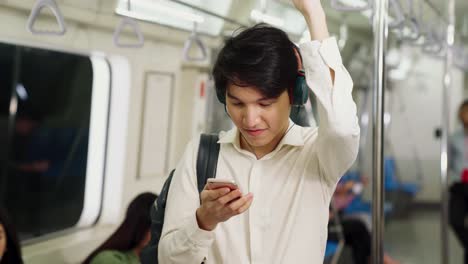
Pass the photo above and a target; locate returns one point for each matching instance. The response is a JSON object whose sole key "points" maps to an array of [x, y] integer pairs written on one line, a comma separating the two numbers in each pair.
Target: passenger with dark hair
{"points": [[458, 168], [125, 244], [10, 250], [292, 170]]}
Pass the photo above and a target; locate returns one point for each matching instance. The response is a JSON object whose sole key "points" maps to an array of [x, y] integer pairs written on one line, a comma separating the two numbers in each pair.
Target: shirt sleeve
{"points": [[338, 131], [182, 241]]}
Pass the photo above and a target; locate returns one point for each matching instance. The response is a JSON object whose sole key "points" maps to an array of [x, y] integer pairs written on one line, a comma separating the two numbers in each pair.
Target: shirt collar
{"points": [[293, 136]]}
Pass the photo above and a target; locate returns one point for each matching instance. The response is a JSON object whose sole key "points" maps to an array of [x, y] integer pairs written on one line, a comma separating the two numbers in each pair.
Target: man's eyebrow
{"points": [[232, 96], [266, 99]]}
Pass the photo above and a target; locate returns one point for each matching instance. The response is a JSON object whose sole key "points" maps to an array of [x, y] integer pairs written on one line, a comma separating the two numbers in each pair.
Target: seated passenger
{"points": [[10, 251], [348, 201], [358, 238], [125, 244], [458, 166]]}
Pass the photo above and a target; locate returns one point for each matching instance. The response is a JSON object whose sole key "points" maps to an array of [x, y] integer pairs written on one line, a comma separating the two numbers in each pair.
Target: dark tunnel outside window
{"points": [[45, 106]]}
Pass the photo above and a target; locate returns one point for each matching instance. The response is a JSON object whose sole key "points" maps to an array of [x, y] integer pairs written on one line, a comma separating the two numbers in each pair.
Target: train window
{"points": [[48, 105]]}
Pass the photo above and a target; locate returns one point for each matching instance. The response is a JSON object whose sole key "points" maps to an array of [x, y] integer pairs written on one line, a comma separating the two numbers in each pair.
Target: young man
{"points": [[286, 174]]}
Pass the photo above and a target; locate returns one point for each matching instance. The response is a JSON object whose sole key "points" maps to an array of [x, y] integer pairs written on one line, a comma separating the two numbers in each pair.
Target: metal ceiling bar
{"points": [[436, 11], [230, 20]]}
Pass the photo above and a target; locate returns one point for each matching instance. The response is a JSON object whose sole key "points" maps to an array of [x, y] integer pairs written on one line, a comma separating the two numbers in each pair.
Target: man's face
{"points": [[261, 121]]}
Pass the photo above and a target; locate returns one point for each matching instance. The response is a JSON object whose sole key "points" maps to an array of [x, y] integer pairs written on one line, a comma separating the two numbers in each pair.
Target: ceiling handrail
{"points": [[411, 21], [399, 15], [194, 39], [133, 24], [35, 11]]}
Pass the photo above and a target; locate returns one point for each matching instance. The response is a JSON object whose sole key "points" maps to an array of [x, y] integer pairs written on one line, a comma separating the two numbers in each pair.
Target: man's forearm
{"points": [[316, 22]]}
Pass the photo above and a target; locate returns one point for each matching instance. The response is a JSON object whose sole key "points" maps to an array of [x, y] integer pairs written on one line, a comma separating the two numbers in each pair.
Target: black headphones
{"points": [[299, 94]]}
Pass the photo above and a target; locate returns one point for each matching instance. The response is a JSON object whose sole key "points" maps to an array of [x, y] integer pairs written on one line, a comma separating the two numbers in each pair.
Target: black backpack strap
{"points": [[207, 159]]}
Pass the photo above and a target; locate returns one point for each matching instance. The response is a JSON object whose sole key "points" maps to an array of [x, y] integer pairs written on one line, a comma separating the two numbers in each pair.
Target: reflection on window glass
{"points": [[45, 102]]}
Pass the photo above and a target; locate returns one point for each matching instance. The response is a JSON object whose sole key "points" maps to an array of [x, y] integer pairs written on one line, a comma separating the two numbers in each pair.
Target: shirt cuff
{"points": [[327, 49], [197, 236]]}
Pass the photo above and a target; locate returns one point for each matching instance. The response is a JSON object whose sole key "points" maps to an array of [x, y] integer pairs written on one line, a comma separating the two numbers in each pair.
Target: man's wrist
{"points": [[201, 221], [314, 12]]}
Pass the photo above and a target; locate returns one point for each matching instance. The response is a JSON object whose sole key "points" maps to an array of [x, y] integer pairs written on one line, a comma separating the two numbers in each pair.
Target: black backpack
{"points": [[207, 160]]}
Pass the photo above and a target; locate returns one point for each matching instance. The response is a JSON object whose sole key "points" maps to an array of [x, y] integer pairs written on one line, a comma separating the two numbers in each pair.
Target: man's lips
{"points": [[254, 132]]}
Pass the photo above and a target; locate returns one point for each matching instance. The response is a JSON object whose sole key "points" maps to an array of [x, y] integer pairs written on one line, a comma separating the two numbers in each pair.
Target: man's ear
{"points": [[298, 58]]}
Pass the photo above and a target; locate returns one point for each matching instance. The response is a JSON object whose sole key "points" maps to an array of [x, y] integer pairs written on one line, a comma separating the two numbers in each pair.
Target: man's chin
{"points": [[258, 142]]}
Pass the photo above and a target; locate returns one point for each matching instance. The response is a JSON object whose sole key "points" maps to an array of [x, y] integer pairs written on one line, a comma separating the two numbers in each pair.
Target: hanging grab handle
{"points": [[412, 23], [126, 21], [335, 4], [434, 42], [395, 6], [414, 28], [194, 39], [40, 4], [460, 57]]}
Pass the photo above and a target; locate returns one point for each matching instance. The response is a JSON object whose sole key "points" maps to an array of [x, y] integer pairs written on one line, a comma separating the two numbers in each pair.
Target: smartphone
{"points": [[214, 183]]}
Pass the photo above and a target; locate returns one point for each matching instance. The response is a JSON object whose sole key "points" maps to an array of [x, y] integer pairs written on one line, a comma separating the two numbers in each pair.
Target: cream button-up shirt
{"points": [[292, 185]]}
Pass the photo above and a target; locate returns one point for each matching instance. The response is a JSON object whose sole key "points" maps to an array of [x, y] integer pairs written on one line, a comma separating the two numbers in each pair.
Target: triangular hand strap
{"points": [[126, 21], [40, 4]]}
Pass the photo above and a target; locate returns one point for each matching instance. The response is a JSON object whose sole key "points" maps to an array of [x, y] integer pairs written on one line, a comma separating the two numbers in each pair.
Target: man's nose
{"points": [[251, 117]]}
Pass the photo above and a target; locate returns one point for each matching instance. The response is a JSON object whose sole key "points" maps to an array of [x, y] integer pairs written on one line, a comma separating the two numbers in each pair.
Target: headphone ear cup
{"points": [[301, 91], [221, 95]]}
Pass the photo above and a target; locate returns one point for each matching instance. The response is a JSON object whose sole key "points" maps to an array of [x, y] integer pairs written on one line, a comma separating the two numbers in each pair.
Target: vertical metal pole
{"points": [[380, 28], [445, 127]]}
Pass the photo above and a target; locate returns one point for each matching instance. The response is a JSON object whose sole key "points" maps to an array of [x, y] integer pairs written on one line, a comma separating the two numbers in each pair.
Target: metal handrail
{"points": [[460, 57], [39, 5], [127, 21], [398, 13], [194, 39], [434, 44], [446, 113], [412, 22], [380, 29]]}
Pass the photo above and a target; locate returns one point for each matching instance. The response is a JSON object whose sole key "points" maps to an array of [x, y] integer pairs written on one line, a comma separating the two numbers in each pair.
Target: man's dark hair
{"points": [[262, 57]]}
